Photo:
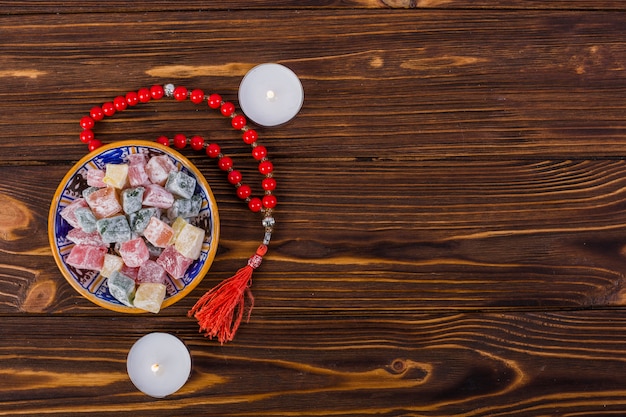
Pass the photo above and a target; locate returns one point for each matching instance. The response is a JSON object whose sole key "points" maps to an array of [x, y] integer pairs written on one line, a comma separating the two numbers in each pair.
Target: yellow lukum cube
{"points": [[149, 296], [189, 241], [116, 175], [112, 263], [177, 227]]}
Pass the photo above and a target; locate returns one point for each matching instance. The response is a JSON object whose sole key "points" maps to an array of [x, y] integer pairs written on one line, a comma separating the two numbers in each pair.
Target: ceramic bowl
{"points": [[90, 284]]}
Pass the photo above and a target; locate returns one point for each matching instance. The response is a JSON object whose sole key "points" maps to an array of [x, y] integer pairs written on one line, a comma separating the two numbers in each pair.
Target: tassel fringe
{"points": [[220, 311]]}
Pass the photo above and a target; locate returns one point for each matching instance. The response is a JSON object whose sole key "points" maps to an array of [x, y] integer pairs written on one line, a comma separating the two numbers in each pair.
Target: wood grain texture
{"points": [[565, 363], [451, 235], [437, 84]]}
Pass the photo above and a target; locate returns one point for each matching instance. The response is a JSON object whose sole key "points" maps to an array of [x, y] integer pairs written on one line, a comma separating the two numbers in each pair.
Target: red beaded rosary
{"points": [[219, 312]]}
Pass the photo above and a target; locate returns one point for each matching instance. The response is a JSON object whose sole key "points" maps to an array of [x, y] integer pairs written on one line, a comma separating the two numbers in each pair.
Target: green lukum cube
{"points": [[86, 220], [114, 229], [122, 288], [180, 184], [140, 219], [185, 207], [132, 199]]}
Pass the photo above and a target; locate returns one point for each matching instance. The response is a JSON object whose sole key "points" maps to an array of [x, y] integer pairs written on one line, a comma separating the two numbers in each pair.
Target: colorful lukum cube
{"points": [[131, 272], [132, 199], [94, 177], [80, 237], [69, 212], [174, 262], [86, 220], [185, 207], [180, 184], [122, 288], [137, 174], [134, 252], [157, 196], [116, 175], [158, 169], [151, 271], [158, 232], [112, 263], [86, 257], [114, 229], [140, 219], [177, 226], [149, 296], [189, 241], [104, 202]]}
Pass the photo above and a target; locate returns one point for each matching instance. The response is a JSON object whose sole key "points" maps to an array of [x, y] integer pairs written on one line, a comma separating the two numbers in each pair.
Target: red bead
{"points": [[132, 99], [87, 122], [180, 93], [244, 191], [225, 163], [266, 167], [197, 96], [268, 184], [86, 135], [163, 140], [144, 95], [96, 113], [250, 136], [238, 122], [213, 150], [269, 201], [156, 92], [234, 177], [180, 140], [197, 143], [259, 152], [227, 109], [255, 204], [94, 144], [108, 109], [120, 103], [214, 101]]}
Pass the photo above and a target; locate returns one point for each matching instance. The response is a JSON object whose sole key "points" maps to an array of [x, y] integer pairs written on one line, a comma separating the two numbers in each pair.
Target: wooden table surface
{"points": [[451, 228]]}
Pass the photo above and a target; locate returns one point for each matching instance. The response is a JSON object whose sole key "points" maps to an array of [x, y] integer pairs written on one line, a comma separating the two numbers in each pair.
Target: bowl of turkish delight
{"points": [[133, 226]]}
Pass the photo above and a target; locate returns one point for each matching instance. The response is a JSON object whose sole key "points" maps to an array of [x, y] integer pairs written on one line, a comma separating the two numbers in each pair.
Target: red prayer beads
{"points": [[197, 143]]}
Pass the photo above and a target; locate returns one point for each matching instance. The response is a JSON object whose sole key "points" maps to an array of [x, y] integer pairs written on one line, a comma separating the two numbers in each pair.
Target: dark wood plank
{"points": [[90, 6], [363, 236], [439, 84], [564, 363]]}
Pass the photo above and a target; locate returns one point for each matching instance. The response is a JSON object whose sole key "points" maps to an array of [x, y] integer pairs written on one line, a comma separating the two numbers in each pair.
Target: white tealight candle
{"points": [[159, 364], [270, 94]]}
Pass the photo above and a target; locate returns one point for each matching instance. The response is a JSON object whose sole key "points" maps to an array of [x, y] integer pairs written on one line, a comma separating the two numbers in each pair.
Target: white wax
{"points": [[159, 364], [270, 94]]}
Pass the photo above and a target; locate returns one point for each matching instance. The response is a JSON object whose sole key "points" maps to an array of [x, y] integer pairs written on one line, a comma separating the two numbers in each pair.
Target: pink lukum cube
{"points": [[134, 252], [137, 174], [158, 232], [137, 159], [94, 177], [104, 202], [86, 257], [130, 271], [159, 167], [174, 262], [157, 196], [151, 271], [69, 212], [80, 237]]}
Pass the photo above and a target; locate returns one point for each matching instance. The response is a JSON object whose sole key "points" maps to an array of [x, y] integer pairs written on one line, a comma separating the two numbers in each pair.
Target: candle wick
{"points": [[155, 368], [270, 95]]}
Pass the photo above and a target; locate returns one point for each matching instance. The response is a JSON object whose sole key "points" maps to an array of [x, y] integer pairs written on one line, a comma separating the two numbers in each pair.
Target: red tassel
{"points": [[219, 312]]}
